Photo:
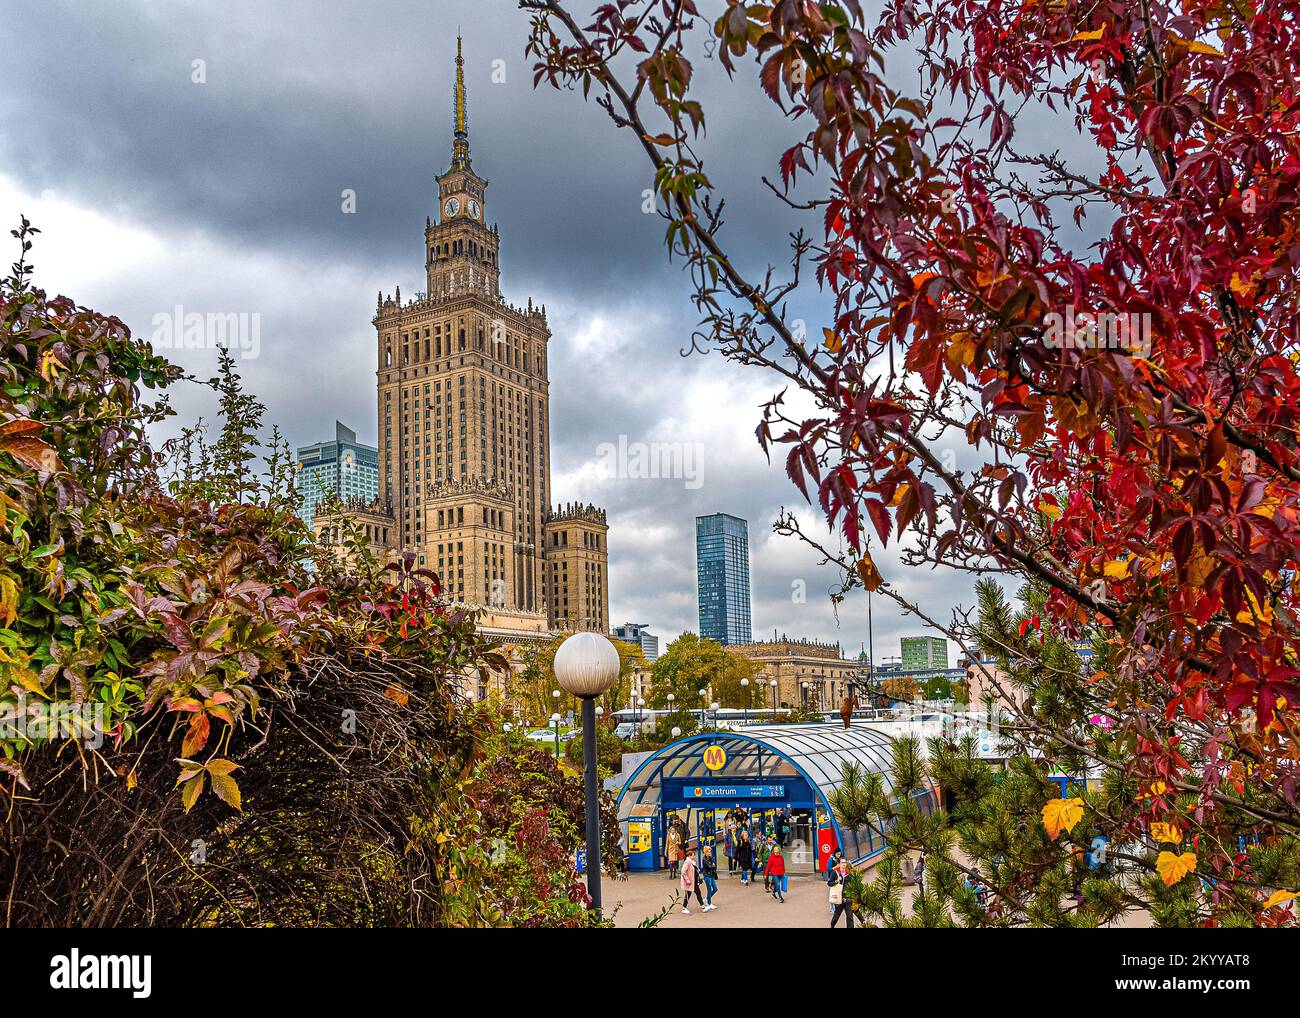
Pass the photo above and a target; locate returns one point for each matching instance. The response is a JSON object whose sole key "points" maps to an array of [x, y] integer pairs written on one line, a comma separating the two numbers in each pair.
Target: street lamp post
{"points": [[773, 685], [555, 720], [587, 665], [640, 704], [714, 721], [744, 684]]}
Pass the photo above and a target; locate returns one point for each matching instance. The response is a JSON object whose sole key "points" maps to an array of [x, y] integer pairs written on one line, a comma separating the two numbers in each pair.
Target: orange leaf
{"points": [[1061, 815], [1278, 898], [1172, 868], [867, 571]]}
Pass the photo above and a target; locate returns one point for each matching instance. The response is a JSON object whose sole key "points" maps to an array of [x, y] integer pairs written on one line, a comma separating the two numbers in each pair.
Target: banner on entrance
{"points": [[735, 792]]}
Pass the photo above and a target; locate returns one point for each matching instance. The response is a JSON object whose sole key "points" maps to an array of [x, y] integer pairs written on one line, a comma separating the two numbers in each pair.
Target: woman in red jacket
{"points": [[775, 871]]}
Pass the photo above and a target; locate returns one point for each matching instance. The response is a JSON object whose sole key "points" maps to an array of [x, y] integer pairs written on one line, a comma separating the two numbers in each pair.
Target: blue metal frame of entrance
{"points": [[766, 766]]}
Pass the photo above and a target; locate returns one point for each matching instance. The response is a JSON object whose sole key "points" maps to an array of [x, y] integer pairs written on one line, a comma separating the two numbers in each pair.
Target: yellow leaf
{"points": [[1117, 570], [1092, 36], [1172, 868], [8, 600], [1278, 898], [961, 351], [1193, 46], [1061, 815], [832, 340], [1166, 832], [1052, 512]]}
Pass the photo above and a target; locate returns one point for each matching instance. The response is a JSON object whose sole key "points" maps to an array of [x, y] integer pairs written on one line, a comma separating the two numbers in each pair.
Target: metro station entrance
{"points": [[778, 809], [780, 776]]}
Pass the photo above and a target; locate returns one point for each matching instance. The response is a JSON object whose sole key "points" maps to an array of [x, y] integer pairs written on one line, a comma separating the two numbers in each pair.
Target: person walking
{"points": [[744, 856], [690, 881], [831, 863], [775, 872], [919, 874], [674, 848], [709, 872], [729, 841], [840, 877]]}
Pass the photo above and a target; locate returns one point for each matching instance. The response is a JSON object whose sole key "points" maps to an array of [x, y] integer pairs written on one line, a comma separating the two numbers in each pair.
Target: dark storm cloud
{"points": [[242, 177]]}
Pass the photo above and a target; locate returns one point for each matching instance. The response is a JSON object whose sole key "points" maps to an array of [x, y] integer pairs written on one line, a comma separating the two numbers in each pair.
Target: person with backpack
{"points": [[744, 856], [838, 878], [919, 874], [690, 881], [709, 871], [774, 871]]}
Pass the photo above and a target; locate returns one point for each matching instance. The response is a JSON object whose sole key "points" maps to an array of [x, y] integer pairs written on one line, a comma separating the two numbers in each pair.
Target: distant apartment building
{"points": [[638, 633], [722, 578], [341, 468], [924, 652]]}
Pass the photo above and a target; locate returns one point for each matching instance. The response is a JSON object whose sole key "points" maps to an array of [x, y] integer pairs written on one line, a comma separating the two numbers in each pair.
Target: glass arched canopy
{"points": [[765, 765]]}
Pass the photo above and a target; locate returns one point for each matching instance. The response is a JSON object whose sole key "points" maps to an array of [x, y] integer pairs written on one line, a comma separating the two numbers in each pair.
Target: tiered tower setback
{"points": [[464, 424]]}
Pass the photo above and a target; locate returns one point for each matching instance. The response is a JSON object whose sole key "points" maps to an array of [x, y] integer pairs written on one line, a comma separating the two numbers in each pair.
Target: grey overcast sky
{"points": [[154, 191]]}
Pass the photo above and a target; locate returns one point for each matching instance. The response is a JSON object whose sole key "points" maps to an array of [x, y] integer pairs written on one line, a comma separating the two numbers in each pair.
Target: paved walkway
{"points": [[644, 894]]}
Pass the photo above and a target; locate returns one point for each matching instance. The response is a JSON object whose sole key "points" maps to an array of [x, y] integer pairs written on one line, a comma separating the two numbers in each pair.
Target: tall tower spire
{"points": [[460, 147]]}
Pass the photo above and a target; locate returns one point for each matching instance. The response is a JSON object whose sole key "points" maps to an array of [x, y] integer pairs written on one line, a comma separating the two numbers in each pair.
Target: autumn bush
{"points": [[262, 733]]}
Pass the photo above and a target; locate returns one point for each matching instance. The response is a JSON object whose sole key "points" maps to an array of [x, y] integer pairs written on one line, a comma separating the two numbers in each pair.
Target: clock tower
{"points": [[461, 250], [464, 431]]}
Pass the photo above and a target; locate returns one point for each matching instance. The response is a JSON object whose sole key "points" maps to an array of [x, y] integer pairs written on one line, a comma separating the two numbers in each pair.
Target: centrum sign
{"points": [[737, 792]]}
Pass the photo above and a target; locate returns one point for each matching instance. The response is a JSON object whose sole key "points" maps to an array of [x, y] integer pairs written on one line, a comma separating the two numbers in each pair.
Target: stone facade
{"points": [[577, 573], [792, 663], [464, 428]]}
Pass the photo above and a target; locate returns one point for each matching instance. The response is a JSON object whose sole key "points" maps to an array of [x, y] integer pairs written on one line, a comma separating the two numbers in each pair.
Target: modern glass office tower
{"points": [[722, 577], [343, 467]]}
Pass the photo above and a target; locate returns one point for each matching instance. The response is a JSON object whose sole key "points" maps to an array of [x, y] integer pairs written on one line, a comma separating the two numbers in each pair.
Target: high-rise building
{"points": [[464, 427], [924, 652], [722, 577], [342, 468], [638, 633]]}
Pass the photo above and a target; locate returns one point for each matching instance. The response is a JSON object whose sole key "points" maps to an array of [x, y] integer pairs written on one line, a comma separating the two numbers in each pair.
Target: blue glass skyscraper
{"points": [[722, 578], [343, 468]]}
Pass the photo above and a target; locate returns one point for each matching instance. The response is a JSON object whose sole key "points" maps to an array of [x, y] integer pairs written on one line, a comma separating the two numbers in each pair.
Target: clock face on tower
{"points": [[452, 206], [473, 208]]}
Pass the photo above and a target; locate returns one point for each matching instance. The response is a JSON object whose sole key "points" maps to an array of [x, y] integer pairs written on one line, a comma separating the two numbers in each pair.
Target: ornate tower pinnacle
{"points": [[460, 147]]}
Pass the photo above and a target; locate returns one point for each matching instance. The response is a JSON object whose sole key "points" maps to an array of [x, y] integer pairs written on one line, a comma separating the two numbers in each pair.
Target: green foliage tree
{"points": [[247, 741], [534, 684], [1008, 847], [692, 663]]}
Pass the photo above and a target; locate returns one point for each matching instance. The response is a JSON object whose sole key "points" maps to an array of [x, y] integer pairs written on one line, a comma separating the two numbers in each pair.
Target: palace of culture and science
{"points": [[464, 432]]}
